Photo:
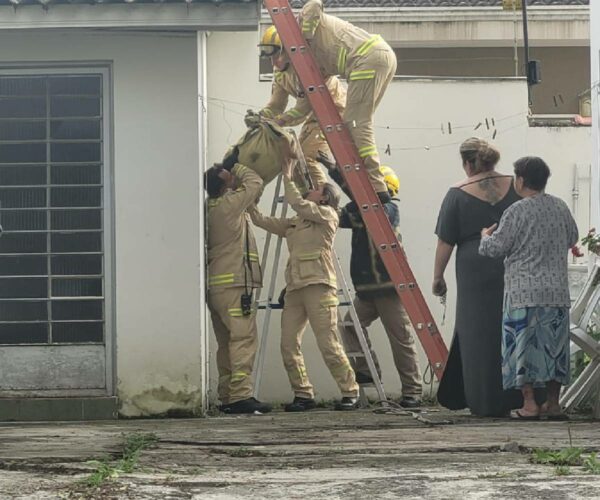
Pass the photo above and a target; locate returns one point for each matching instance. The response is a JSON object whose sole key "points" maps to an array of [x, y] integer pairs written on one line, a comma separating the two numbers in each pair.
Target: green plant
{"points": [[132, 446], [562, 470], [104, 470], [591, 464], [564, 457]]}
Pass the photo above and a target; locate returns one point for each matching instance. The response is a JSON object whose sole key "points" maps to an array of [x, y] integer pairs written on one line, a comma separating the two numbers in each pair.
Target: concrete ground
{"points": [[320, 454]]}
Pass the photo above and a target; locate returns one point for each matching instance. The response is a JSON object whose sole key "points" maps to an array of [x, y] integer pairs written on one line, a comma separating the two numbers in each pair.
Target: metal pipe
{"points": [[526, 48]]}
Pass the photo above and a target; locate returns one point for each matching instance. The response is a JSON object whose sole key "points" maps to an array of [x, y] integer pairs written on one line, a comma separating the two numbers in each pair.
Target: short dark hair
{"points": [[534, 172], [212, 182]]}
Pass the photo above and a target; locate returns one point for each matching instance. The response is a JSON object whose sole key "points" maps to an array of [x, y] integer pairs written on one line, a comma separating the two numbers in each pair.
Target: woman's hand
{"points": [[439, 287], [488, 231]]}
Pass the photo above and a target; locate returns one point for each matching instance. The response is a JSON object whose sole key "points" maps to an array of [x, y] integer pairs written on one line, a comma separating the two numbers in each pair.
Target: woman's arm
{"points": [[442, 256]]}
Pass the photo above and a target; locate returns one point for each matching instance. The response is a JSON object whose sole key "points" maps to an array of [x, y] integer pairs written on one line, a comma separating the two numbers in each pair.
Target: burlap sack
{"points": [[262, 148]]}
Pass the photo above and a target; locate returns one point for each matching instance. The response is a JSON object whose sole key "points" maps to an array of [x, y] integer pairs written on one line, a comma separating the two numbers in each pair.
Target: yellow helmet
{"points": [[270, 42], [391, 180]]}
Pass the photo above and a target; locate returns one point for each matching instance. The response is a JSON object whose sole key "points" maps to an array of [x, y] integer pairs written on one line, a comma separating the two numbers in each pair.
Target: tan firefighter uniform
{"points": [[366, 61], [233, 266], [312, 140], [311, 295]]}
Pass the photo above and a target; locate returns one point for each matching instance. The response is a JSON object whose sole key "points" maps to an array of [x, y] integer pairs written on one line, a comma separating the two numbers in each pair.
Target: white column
{"points": [[202, 148], [595, 94]]}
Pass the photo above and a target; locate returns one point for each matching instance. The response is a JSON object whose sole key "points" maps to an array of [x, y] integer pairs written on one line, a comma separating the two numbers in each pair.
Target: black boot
{"points": [[347, 403], [249, 405], [410, 402], [300, 404]]}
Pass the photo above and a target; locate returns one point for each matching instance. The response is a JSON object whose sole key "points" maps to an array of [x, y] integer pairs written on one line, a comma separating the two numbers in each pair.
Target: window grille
{"points": [[52, 279]]}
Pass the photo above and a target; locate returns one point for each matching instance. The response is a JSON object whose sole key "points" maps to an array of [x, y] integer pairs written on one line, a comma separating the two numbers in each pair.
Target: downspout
{"points": [[201, 38]]}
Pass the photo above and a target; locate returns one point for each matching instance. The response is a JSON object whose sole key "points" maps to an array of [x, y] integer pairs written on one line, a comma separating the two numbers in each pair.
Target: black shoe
{"points": [[363, 378], [300, 404], [410, 402], [249, 405], [347, 404]]}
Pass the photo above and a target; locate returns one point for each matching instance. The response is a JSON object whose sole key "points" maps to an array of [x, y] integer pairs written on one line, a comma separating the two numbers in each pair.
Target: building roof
{"points": [[18, 3], [435, 3], [299, 3]]}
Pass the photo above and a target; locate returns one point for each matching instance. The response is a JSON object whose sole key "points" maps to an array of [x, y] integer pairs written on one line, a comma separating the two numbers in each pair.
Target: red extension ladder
{"points": [[356, 178]]}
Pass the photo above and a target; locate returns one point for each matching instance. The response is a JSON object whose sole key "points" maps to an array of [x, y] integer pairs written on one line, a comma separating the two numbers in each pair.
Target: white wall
{"points": [[595, 62], [156, 206], [426, 159]]}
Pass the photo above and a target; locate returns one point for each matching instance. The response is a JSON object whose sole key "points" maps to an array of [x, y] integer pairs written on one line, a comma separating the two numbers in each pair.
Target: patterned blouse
{"points": [[534, 235]]}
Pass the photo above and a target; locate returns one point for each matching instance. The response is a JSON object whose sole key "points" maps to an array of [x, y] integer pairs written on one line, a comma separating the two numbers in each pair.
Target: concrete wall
{"points": [[156, 206], [409, 121]]}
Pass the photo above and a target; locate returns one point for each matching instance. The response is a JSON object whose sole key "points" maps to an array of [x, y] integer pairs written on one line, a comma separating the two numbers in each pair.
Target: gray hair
{"points": [[332, 195]]}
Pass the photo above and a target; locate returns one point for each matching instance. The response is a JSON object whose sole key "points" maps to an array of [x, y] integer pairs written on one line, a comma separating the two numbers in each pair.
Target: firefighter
{"points": [[311, 292], [286, 84], [376, 296], [366, 61], [233, 273]]}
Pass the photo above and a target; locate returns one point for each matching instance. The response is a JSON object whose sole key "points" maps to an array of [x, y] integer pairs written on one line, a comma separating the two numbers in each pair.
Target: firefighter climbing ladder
{"points": [[356, 178], [269, 306]]}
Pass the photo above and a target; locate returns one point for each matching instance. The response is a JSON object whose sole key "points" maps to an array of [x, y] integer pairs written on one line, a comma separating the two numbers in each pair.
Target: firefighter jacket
{"points": [[285, 84], [336, 44], [368, 273], [309, 238], [232, 254]]}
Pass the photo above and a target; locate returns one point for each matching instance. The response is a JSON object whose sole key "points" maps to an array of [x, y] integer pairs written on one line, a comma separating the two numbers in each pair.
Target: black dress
{"points": [[473, 375]]}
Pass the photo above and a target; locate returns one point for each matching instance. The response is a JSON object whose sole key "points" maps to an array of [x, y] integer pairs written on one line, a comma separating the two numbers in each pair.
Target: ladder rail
{"points": [[360, 334], [356, 178], [262, 350]]}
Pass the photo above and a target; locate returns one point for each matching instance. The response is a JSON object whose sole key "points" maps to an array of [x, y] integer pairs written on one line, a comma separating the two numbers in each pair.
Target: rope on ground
{"points": [[391, 408]]}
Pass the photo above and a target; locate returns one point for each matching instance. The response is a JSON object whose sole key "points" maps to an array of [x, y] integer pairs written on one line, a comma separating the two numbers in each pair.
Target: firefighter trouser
{"points": [[389, 309], [311, 141], [237, 342], [317, 305], [367, 82]]}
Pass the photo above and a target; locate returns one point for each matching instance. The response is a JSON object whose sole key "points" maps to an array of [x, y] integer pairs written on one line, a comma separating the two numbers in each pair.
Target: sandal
{"points": [[517, 415]]}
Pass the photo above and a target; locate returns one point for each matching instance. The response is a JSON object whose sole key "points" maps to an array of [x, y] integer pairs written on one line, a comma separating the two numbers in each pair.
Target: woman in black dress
{"points": [[473, 375]]}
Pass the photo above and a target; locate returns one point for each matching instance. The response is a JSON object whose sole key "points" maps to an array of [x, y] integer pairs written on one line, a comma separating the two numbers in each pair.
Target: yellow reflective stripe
{"points": [[236, 312], [368, 45], [309, 255], [330, 301], [294, 113], [253, 256], [367, 151], [366, 74], [310, 25], [238, 376], [213, 203], [342, 368], [268, 112], [342, 53], [220, 279], [278, 76]]}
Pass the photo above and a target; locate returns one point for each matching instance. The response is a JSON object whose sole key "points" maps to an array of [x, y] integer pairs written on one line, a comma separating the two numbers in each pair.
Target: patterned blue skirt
{"points": [[535, 346]]}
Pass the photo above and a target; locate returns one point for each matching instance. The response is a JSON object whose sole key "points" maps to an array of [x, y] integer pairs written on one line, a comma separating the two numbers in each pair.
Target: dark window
{"points": [[51, 209]]}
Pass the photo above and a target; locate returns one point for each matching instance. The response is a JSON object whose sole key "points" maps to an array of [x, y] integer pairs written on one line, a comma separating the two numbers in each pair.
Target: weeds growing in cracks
{"points": [[132, 446]]}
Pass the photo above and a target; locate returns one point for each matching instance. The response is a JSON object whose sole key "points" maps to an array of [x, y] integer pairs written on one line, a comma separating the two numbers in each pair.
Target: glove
{"points": [[325, 160], [231, 159], [281, 298], [252, 119]]}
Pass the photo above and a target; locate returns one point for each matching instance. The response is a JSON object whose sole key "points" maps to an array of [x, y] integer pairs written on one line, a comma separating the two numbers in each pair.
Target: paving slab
{"points": [[319, 454]]}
